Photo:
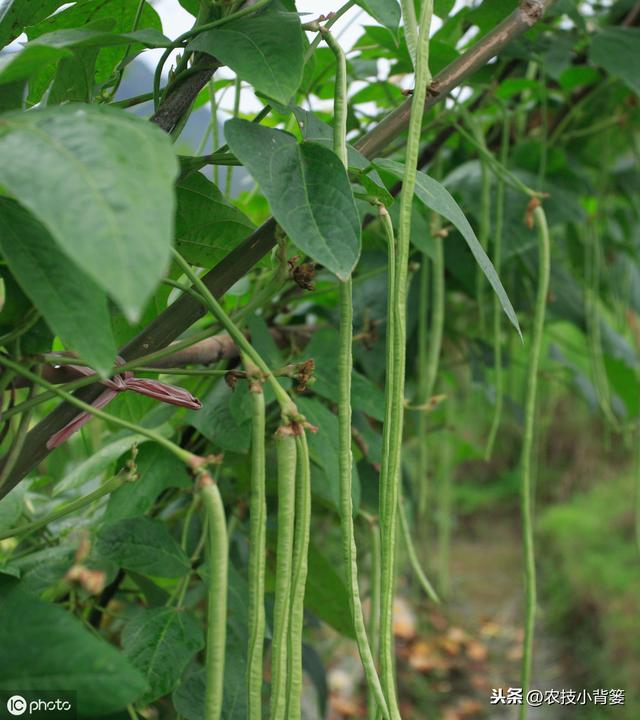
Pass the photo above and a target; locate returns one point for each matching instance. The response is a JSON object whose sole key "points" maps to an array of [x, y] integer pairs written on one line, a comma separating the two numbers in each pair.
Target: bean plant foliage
{"points": [[228, 373]]}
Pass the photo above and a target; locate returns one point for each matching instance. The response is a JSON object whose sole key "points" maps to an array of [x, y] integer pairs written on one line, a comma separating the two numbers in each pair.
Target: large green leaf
{"points": [[160, 643], [308, 190], [386, 12], [57, 45], [142, 545], [55, 284], [104, 190], [157, 470], [121, 15], [617, 50], [46, 648], [266, 50], [15, 15], [436, 197], [207, 226]]}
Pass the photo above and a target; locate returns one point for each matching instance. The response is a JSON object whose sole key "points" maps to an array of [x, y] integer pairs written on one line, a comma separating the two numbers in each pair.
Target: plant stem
{"points": [[396, 360], [218, 558], [527, 447], [286, 458], [179, 452], [300, 566], [287, 406], [497, 310], [236, 110], [257, 544]]}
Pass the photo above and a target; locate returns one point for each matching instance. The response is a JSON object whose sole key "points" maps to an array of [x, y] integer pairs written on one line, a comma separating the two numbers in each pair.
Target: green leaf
{"points": [[208, 227], [326, 594], [15, 15], [160, 643], [308, 190], [365, 395], [98, 462], [157, 470], [324, 451], [54, 284], [11, 508], [46, 648], [615, 49], [266, 50], [119, 13], [217, 423], [104, 190], [386, 12], [144, 546], [49, 48], [436, 197]]}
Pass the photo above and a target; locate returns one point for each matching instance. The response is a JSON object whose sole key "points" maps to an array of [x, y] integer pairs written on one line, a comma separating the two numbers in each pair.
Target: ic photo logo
{"points": [[35, 704]]}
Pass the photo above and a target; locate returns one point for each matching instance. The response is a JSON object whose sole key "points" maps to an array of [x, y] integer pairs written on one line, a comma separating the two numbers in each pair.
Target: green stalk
{"points": [[18, 442], [345, 366], [300, 567], [497, 309], [218, 558], [179, 452], [288, 408], [67, 508], [286, 456], [527, 447], [257, 545], [396, 357]]}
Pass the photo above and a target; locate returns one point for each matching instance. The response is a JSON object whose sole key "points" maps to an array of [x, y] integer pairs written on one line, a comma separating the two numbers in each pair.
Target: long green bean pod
{"points": [[497, 309], [592, 291], [300, 566], [527, 448], [396, 360], [374, 609], [413, 555], [345, 363], [483, 237], [286, 458], [445, 501], [430, 370], [257, 544], [218, 554]]}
